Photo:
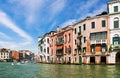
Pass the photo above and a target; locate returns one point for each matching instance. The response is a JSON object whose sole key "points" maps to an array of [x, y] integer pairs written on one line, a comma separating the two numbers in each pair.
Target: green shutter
{"points": [[119, 40], [103, 23], [115, 8], [116, 24], [113, 40]]}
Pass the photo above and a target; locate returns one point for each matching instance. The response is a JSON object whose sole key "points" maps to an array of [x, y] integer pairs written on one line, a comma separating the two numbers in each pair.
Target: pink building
{"points": [[92, 38], [61, 45]]}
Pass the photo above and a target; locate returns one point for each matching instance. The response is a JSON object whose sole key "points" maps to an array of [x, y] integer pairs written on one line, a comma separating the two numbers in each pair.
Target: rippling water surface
{"points": [[58, 71]]}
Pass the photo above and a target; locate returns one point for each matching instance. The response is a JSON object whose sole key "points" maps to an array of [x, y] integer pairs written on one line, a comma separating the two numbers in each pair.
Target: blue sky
{"points": [[22, 21]]}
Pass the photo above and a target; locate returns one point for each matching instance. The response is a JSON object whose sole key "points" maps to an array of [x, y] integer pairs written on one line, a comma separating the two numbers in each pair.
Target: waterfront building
{"points": [[91, 39], [25, 55], [44, 48], [15, 55], [5, 54], [61, 45], [68, 44], [114, 15], [53, 38], [40, 49]]}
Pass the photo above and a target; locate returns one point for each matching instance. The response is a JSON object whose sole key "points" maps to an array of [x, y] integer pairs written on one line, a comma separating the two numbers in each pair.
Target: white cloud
{"points": [[31, 7], [4, 36], [95, 12], [10, 45], [85, 6], [57, 6], [28, 8], [7, 22], [52, 25], [69, 22]]}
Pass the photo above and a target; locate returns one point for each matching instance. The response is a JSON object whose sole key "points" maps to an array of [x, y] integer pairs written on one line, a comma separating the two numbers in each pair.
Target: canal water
{"points": [[31, 70]]}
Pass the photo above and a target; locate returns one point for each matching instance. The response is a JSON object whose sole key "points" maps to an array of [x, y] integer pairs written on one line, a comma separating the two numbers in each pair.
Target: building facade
{"points": [[94, 40], [25, 55], [15, 55], [44, 48], [62, 45], [114, 15], [5, 54]]}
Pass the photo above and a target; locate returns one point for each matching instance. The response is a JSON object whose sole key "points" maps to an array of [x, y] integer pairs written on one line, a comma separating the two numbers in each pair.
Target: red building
{"points": [[15, 55]]}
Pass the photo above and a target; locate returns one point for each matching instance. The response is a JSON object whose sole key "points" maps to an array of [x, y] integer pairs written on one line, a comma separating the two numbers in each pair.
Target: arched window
{"points": [[69, 50], [116, 39], [116, 22], [65, 49], [65, 38]]}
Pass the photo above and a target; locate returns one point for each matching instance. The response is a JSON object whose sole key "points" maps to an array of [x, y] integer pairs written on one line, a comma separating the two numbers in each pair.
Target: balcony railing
{"points": [[79, 35], [59, 43], [59, 54], [102, 41], [79, 44]]}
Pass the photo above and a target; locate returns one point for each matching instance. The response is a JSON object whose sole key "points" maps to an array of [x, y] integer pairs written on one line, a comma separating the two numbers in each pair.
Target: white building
{"points": [[4, 54], [44, 48], [114, 23]]}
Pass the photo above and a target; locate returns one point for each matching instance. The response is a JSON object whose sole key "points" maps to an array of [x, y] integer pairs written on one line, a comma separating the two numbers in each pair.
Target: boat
{"points": [[12, 63], [22, 62]]}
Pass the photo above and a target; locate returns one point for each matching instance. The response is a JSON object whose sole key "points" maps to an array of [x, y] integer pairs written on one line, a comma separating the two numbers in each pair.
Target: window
{"points": [[65, 38], [84, 39], [92, 48], [116, 40], [75, 42], [48, 58], [44, 50], [99, 35], [48, 50], [103, 23], [93, 25], [75, 59], [79, 28], [41, 49], [69, 50], [69, 38], [51, 51], [52, 41], [84, 49], [47, 40], [84, 27], [116, 23], [103, 48], [65, 49], [115, 8], [75, 31]]}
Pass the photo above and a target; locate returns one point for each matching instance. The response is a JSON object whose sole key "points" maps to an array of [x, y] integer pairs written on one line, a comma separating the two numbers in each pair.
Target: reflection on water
{"points": [[58, 71]]}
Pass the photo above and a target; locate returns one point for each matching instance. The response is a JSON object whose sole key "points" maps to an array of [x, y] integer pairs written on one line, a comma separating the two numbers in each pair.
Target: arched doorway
{"points": [[118, 58], [80, 59], [92, 60], [103, 59]]}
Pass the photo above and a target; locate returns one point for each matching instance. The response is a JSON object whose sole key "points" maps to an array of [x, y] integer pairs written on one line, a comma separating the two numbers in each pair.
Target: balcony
{"points": [[59, 53], [59, 43], [102, 41], [79, 35], [79, 44], [115, 47]]}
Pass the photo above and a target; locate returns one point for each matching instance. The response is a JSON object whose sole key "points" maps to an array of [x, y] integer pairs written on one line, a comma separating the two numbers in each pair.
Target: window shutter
{"points": [[113, 40]]}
